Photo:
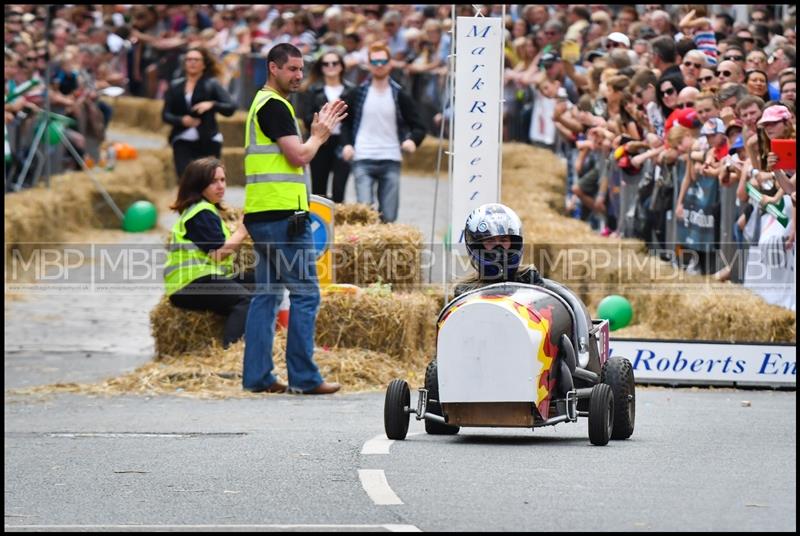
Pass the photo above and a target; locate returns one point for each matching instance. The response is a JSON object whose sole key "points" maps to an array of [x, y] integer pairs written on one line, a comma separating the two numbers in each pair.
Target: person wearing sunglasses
{"points": [[707, 81], [325, 84], [729, 71], [693, 62], [667, 91], [757, 59], [383, 123], [783, 58]]}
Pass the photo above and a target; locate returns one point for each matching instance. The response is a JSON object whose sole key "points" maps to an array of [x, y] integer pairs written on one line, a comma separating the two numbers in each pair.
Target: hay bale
{"points": [[124, 195], [397, 324], [233, 161], [179, 331], [423, 160], [232, 129], [139, 112], [355, 214], [384, 253]]}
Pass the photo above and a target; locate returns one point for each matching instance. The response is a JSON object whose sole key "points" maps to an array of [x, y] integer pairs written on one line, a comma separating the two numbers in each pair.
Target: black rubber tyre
{"points": [[618, 374], [432, 385], [395, 417], [601, 414]]}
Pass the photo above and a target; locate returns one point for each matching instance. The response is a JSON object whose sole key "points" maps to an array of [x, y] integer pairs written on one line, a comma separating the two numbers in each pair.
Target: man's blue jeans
{"points": [[387, 174], [282, 262]]}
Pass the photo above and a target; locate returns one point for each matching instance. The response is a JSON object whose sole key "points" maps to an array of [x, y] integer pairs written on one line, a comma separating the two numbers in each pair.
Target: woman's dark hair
{"points": [[676, 81], [196, 178], [316, 76], [210, 63]]}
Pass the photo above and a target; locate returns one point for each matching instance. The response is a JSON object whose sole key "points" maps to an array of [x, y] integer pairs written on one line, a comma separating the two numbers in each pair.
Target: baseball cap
{"points": [[685, 117], [592, 54], [775, 113], [738, 143], [549, 57], [713, 126], [619, 37]]}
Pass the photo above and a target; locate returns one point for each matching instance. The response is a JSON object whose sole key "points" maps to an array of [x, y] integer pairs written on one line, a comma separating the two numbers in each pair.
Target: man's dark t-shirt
{"points": [[276, 122]]}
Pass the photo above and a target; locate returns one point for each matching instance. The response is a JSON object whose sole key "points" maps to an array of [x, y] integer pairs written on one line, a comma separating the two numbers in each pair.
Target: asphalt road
{"points": [[699, 460]]}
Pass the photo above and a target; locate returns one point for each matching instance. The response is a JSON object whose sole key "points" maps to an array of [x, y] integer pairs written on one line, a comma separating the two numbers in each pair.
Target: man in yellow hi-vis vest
{"points": [[276, 216]]}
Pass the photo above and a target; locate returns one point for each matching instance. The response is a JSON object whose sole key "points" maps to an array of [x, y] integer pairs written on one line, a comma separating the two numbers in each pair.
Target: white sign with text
{"points": [[697, 363], [478, 108]]}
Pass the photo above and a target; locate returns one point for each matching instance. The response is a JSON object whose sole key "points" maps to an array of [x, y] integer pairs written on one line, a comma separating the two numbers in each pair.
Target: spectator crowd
{"points": [[665, 116]]}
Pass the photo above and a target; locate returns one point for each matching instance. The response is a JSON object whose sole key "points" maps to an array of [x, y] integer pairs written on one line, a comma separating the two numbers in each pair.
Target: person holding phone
{"points": [[775, 124]]}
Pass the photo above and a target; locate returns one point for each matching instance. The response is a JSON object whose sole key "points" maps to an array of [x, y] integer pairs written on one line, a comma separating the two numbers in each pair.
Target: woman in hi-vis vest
{"points": [[199, 272]]}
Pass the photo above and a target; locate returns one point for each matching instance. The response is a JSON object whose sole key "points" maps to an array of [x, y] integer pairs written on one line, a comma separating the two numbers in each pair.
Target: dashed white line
{"points": [[374, 483], [380, 444]]}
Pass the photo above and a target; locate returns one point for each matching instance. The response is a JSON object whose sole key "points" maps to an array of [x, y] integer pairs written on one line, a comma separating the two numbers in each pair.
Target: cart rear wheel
{"points": [[618, 374], [601, 414], [395, 409], [432, 385]]}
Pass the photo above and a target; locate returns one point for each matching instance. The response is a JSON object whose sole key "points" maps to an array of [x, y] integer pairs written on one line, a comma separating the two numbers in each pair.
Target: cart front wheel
{"points": [[395, 409], [601, 414]]}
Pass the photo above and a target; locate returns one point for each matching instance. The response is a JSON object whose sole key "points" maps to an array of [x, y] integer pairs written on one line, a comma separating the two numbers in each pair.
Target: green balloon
{"points": [[617, 310], [140, 216], [53, 132]]}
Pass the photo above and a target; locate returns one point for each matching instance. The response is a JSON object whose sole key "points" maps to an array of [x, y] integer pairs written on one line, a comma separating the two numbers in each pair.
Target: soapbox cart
{"points": [[518, 355]]}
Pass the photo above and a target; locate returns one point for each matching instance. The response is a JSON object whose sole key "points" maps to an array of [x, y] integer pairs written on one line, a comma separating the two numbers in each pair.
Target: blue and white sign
{"points": [[478, 113], [706, 363], [319, 233]]}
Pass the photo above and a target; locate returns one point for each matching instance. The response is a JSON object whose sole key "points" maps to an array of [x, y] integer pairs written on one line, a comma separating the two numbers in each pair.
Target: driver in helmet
{"points": [[493, 236]]}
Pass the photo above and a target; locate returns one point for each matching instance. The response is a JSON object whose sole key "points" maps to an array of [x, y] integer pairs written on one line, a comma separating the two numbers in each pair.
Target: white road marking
{"points": [[374, 483], [389, 527], [380, 444]]}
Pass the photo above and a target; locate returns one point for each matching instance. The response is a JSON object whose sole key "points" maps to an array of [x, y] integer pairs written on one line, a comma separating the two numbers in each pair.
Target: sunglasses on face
{"points": [[725, 74], [686, 105], [705, 79], [747, 39], [378, 63], [690, 63], [330, 63], [669, 91], [733, 58], [614, 44]]}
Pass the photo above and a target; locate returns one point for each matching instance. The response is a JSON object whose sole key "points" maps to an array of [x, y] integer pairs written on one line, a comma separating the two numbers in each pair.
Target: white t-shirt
{"points": [[377, 134], [332, 93]]}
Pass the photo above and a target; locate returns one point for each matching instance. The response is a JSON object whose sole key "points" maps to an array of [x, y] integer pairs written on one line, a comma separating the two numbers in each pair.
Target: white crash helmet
{"points": [[493, 220]]}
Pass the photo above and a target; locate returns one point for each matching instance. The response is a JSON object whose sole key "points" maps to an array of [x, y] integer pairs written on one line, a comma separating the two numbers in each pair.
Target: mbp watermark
{"points": [[137, 267]]}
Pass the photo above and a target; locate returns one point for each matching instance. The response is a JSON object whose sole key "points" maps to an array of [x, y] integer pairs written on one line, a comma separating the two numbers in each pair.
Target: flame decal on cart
{"points": [[540, 321]]}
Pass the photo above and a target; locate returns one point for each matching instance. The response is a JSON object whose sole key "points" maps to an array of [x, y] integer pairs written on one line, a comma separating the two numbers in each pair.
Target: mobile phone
{"points": [[786, 151]]}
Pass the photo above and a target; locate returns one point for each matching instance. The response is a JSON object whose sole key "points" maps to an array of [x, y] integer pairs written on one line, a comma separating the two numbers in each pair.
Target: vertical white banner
{"points": [[476, 124]]}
